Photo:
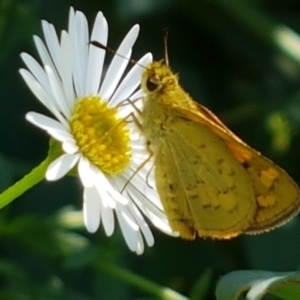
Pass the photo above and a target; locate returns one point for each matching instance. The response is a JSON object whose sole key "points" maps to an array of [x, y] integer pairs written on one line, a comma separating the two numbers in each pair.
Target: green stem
{"points": [[156, 290], [24, 184]]}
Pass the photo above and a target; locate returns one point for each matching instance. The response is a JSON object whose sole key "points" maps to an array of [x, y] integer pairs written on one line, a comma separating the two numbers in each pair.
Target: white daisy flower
{"points": [[97, 137]]}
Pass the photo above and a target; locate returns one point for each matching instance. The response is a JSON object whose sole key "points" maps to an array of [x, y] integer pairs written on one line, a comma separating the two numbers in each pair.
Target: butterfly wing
{"points": [[203, 188], [277, 195]]}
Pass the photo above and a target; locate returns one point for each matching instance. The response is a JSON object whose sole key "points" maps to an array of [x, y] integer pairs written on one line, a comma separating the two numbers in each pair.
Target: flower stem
{"points": [[156, 290], [24, 184]]}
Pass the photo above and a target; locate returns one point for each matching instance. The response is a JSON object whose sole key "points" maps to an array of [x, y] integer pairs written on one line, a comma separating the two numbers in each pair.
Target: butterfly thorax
{"points": [[163, 91], [162, 84], [164, 97]]}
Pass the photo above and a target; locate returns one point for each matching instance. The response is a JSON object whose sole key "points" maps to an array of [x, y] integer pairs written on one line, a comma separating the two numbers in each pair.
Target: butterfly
{"points": [[211, 183]]}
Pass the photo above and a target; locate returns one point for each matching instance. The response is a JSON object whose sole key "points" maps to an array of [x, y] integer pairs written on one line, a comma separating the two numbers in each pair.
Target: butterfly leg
{"points": [[137, 170], [139, 126], [132, 103]]}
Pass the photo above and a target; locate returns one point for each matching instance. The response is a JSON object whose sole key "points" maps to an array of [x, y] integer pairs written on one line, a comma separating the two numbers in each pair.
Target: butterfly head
{"points": [[158, 78]]}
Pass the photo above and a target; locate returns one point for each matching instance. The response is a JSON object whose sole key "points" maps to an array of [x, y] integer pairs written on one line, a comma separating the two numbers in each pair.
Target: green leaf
{"points": [[200, 288], [259, 283]]}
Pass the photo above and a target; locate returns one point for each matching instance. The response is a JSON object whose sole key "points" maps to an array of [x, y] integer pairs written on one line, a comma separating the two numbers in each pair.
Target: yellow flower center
{"points": [[103, 137]]}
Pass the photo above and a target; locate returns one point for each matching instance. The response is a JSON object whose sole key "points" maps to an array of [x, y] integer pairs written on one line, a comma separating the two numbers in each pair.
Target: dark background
{"points": [[230, 59]]}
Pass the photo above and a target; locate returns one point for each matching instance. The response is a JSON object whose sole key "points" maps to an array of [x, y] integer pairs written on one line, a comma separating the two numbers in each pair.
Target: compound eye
{"points": [[151, 86]]}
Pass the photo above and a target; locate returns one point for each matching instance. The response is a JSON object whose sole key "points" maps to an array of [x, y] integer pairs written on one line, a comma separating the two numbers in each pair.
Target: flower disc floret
{"points": [[101, 135]]}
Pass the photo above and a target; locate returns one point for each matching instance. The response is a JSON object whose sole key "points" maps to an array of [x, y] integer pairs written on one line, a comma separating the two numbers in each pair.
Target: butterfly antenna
{"points": [[106, 48], [166, 34]]}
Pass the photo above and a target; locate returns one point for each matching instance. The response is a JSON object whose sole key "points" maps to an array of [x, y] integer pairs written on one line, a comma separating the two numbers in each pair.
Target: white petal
{"points": [[45, 122], [129, 229], [53, 127], [123, 209], [107, 218], [66, 71], [86, 173], [91, 209], [71, 18], [144, 182], [108, 203], [118, 64], [51, 41], [147, 205], [131, 81], [108, 185], [61, 166], [96, 55], [37, 71], [107, 215], [65, 138], [43, 52], [138, 95], [42, 94], [143, 225], [69, 146], [118, 197], [156, 216], [78, 32], [58, 93]]}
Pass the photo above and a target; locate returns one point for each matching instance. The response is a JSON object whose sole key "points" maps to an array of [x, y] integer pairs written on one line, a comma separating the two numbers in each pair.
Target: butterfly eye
{"points": [[151, 86]]}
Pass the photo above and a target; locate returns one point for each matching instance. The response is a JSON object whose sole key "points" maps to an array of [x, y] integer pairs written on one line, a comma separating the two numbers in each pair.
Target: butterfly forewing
{"points": [[197, 179]]}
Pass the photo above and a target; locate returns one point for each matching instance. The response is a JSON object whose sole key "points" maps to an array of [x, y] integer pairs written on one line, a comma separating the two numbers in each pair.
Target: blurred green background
{"points": [[235, 57]]}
